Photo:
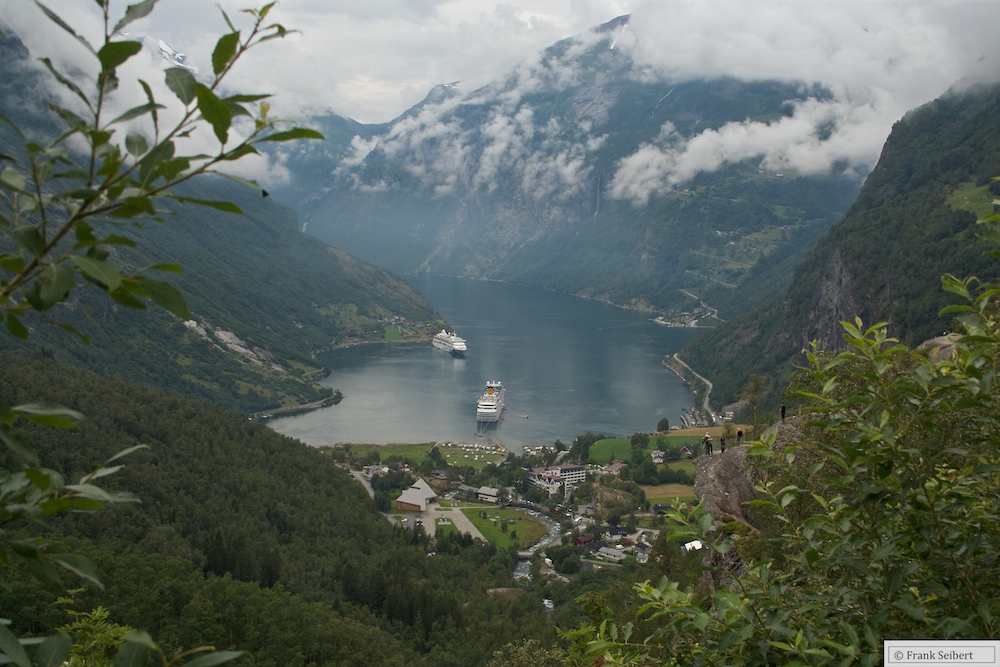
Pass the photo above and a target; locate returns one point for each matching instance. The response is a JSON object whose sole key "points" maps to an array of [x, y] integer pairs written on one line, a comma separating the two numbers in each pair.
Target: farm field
{"points": [[529, 530]]}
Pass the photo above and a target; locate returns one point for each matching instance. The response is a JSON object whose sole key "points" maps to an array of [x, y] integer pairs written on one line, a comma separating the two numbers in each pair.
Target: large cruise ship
{"points": [[489, 407], [450, 342]]}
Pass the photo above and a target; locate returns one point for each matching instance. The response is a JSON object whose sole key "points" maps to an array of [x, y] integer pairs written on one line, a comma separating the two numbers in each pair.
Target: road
{"points": [[462, 523]]}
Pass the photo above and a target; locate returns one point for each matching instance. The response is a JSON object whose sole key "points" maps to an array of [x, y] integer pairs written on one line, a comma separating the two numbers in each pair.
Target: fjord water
{"points": [[571, 365]]}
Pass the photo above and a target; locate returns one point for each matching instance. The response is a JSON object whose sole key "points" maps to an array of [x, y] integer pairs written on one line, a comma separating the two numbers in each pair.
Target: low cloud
{"points": [[878, 59]]}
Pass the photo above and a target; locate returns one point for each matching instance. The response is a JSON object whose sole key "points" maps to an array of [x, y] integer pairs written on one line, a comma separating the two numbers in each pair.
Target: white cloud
{"points": [[879, 59], [373, 60]]}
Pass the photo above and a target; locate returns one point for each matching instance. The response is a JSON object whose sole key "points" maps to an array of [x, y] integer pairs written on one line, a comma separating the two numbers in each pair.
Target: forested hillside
{"points": [[913, 222], [247, 539]]}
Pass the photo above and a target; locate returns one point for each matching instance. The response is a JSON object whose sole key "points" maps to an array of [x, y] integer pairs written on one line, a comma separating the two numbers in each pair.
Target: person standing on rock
{"points": [[707, 440], [782, 413], [722, 444], [739, 437]]}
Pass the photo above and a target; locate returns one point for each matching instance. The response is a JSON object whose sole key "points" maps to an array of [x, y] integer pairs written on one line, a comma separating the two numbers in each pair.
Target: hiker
{"points": [[782, 413], [707, 440], [722, 444], [739, 437]]}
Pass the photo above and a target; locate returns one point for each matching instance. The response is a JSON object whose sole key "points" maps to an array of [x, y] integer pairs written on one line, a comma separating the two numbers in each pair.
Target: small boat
{"points": [[524, 416]]}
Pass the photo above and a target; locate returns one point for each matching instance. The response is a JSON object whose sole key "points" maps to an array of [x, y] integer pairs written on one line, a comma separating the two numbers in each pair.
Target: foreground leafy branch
{"points": [[65, 206], [887, 513]]}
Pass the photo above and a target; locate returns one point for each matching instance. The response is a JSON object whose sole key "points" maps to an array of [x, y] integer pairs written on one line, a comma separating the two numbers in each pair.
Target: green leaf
{"points": [[172, 268], [225, 50], [292, 134], [149, 167], [240, 151], [215, 111], [75, 89], [136, 144], [133, 206], [214, 658], [32, 410], [45, 573], [910, 608], [73, 122], [182, 83], [54, 284], [126, 452], [12, 649], [12, 179], [164, 295], [242, 181], [154, 106], [136, 112], [102, 273], [54, 651], [15, 327], [30, 239], [170, 169], [65, 26], [226, 206], [134, 13], [242, 99], [114, 54], [133, 654], [80, 566]]}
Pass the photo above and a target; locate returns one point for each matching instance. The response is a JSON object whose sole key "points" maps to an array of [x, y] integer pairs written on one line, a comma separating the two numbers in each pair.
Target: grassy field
{"points": [[529, 530], [392, 333], [661, 492], [444, 528], [454, 454], [602, 450], [972, 198], [416, 453]]}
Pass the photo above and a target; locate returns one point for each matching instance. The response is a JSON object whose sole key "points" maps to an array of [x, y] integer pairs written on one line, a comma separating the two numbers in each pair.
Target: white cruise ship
{"points": [[489, 407], [450, 342]]}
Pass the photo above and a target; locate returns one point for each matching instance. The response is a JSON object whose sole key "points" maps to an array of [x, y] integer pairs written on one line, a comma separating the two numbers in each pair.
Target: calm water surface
{"points": [[571, 365]]}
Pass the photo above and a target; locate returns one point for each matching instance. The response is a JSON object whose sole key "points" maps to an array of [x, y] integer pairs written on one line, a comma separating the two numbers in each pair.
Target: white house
{"points": [[552, 477]]}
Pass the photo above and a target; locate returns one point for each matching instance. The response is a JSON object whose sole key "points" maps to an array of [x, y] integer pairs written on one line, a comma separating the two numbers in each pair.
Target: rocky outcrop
{"points": [[723, 484]]}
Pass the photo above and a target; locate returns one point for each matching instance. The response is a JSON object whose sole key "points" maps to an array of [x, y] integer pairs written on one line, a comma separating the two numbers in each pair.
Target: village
{"points": [[573, 516]]}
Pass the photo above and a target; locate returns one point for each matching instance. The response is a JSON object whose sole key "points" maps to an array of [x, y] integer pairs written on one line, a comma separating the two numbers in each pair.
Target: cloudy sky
{"points": [[373, 59]]}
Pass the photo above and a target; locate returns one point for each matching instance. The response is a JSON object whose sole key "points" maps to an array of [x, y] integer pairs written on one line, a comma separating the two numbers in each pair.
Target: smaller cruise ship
{"points": [[489, 407], [450, 342]]}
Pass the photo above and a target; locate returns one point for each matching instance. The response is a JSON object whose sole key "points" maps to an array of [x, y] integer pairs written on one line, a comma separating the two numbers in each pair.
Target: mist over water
{"points": [[571, 365]]}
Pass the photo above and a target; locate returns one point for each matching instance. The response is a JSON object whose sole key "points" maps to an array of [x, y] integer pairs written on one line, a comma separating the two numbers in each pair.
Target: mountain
{"points": [[543, 178], [263, 297], [913, 222]]}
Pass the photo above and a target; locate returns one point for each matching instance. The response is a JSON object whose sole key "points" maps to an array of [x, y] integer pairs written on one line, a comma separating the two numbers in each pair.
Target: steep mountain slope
{"points": [[913, 222], [546, 178], [263, 296]]}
